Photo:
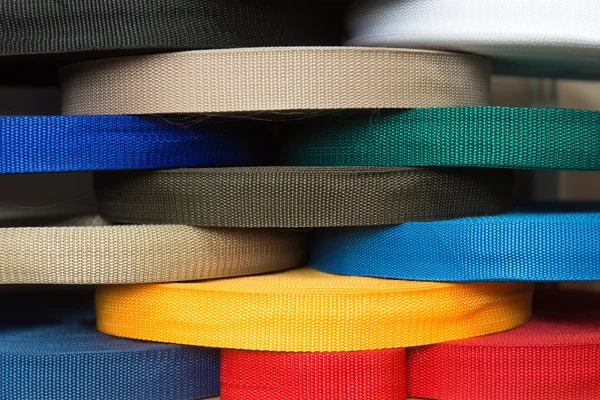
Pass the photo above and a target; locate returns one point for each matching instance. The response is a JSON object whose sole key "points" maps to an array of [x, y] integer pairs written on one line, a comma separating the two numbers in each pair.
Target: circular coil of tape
{"points": [[304, 310]]}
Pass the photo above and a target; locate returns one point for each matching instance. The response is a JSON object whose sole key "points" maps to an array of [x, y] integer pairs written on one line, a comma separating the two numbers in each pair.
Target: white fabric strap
{"points": [[556, 38]]}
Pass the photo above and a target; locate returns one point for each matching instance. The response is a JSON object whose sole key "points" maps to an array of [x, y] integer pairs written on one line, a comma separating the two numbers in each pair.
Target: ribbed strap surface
{"points": [[93, 28], [363, 375], [272, 79], [553, 357], [529, 244], [301, 196], [50, 349], [504, 137], [142, 253], [535, 37], [304, 310], [79, 143]]}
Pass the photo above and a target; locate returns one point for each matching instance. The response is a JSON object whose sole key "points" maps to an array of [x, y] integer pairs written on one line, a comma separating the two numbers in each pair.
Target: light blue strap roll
{"points": [[549, 243]]}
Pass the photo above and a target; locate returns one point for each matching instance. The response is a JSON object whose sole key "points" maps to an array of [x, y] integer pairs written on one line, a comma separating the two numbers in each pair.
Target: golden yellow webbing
{"points": [[307, 310]]}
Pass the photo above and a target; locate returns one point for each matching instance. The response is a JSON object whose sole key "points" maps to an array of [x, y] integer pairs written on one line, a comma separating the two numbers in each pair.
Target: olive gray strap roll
{"points": [[301, 197]]}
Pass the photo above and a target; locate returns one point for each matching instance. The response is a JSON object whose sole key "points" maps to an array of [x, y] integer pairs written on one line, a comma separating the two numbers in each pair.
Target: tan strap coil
{"points": [[96, 254], [275, 79]]}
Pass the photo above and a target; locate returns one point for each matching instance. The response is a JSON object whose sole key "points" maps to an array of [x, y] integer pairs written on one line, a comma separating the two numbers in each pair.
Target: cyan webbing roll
{"points": [[80, 143], [502, 137], [542, 243]]}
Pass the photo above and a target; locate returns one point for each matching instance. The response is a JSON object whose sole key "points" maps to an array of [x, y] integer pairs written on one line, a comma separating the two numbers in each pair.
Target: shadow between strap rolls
{"points": [[553, 357], [50, 348], [95, 28], [80, 143], [361, 375], [304, 310], [537, 37], [274, 79], [301, 196], [502, 137], [544, 243], [141, 253]]}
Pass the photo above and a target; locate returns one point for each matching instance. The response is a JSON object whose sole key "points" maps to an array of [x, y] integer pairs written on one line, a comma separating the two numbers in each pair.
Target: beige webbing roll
{"points": [[275, 79], [96, 254]]}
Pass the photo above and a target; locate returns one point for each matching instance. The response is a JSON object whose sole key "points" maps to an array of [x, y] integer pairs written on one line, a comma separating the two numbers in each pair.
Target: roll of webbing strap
{"points": [[557, 38], [274, 79], [141, 253], [553, 357], [299, 197], [78, 143], [50, 348], [503, 137], [304, 310], [96, 28], [539, 243], [362, 375]]}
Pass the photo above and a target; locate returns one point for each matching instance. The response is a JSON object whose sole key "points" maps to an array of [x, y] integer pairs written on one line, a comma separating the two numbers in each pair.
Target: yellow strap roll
{"points": [[307, 310]]}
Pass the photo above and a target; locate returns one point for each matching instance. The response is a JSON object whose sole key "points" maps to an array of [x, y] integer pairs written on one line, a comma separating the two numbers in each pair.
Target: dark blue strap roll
{"points": [[82, 143], [546, 243], [51, 351]]}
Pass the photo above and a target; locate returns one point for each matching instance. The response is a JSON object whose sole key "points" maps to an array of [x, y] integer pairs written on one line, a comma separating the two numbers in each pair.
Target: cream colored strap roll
{"points": [[96, 254], [274, 79]]}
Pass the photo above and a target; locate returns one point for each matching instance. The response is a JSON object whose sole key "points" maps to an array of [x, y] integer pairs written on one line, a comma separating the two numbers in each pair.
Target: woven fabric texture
{"points": [[299, 197], [553, 357], [141, 253], [535, 37], [536, 243], [274, 79], [503, 137], [50, 349], [304, 310], [93, 28], [79, 143], [363, 375]]}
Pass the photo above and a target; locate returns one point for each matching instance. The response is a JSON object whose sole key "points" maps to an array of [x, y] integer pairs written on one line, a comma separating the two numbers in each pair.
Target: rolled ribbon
{"points": [[556, 39], [362, 375], [96, 28], [79, 143], [502, 137], [50, 348], [553, 357], [306, 310], [141, 253], [542, 243], [301, 196], [274, 79]]}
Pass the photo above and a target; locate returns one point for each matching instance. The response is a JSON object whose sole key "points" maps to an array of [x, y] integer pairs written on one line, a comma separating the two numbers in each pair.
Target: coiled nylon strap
{"points": [[536, 37], [553, 357], [503, 137], [271, 79], [301, 196], [50, 348], [541, 243], [362, 375], [307, 310], [142, 253], [78, 143], [94, 28]]}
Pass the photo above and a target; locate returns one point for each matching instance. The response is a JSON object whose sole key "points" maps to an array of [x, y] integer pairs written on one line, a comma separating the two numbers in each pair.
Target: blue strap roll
{"points": [[83, 143], [546, 243], [53, 351]]}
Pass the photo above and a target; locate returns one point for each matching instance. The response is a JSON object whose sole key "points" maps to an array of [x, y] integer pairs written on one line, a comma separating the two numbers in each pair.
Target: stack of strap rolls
{"points": [[336, 219]]}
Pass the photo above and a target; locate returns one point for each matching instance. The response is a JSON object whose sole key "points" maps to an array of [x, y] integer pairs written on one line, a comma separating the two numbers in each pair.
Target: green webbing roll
{"points": [[497, 137]]}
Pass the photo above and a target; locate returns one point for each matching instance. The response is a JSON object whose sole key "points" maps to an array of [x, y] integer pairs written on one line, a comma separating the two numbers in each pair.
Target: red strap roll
{"points": [[361, 375], [556, 356]]}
